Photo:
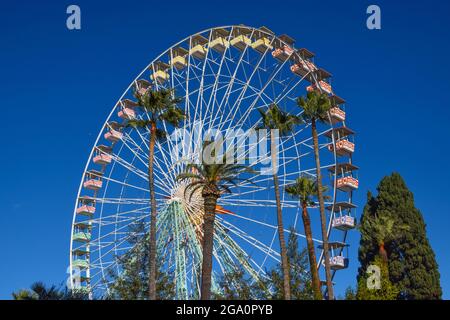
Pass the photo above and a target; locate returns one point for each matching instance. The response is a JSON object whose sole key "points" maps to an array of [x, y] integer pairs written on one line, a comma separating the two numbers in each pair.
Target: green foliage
{"points": [[237, 285], [387, 290], [158, 106], [411, 261], [350, 294], [300, 277], [132, 282], [275, 118], [305, 190], [40, 291], [315, 106], [214, 177]]}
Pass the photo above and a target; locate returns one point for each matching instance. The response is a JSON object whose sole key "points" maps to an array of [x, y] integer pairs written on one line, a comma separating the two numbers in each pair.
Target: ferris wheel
{"points": [[223, 75]]}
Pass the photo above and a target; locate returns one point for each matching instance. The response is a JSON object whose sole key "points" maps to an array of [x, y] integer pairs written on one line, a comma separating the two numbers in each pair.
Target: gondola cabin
{"points": [[82, 232], [336, 115], [80, 259], [179, 60], [86, 206], [142, 86], [113, 134], [160, 74], [102, 155], [263, 40], [93, 180], [241, 38], [219, 40], [321, 86], [343, 147], [343, 219], [337, 259], [198, 47], [343, 141], [284, 48], [337, 112], [346, 178], [303, 67], [127, 109]]}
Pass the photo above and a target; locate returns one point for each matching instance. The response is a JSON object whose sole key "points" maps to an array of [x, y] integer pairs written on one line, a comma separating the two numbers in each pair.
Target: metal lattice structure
{"points": [[224, 75]]}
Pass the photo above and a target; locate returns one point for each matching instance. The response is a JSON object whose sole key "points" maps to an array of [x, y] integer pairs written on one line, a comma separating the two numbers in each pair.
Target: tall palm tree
{"points": [[212, 180], [316, 107], [276, 119], [304, 189], [159, 106]]}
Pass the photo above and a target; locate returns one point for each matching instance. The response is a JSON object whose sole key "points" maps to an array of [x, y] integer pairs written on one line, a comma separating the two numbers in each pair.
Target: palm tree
{"points": [[305, 189], [159, 106], [212, 180], [39, 291], [277, 119], [384, 230], [315, 108]]}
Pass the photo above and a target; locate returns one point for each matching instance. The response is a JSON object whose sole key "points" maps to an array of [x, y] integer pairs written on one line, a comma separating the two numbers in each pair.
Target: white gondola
{"points": [[337, 260], [198, 47], [343, 218]]}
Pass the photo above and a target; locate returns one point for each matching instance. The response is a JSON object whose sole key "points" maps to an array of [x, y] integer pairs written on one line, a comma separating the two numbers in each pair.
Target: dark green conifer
{"points": [[411, 261]]}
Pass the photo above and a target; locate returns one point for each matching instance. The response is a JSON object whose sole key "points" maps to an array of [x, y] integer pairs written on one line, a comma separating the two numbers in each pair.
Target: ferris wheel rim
{"points": [[105, 124]]}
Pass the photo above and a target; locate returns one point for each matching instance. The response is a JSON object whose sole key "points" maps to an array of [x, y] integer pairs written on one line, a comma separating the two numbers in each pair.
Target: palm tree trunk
{"points": [[210, 202], [284, 259], [311, 253], [383, 253], [323, 220], [152, 254]]}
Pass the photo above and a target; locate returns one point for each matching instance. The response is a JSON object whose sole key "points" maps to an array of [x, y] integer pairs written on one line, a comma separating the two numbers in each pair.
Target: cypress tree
{"points": [[411, 261]]}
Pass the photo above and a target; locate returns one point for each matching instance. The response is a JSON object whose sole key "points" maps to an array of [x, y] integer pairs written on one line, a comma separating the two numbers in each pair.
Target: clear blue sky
{"points": [[57, 86]]}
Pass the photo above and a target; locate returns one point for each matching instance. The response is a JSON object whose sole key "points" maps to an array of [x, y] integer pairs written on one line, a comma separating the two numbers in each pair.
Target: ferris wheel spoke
{"points": [[271, 226], [252, 241], [115, 217], [257, 203], [233, 108], [216, 83], [260, 93]]}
